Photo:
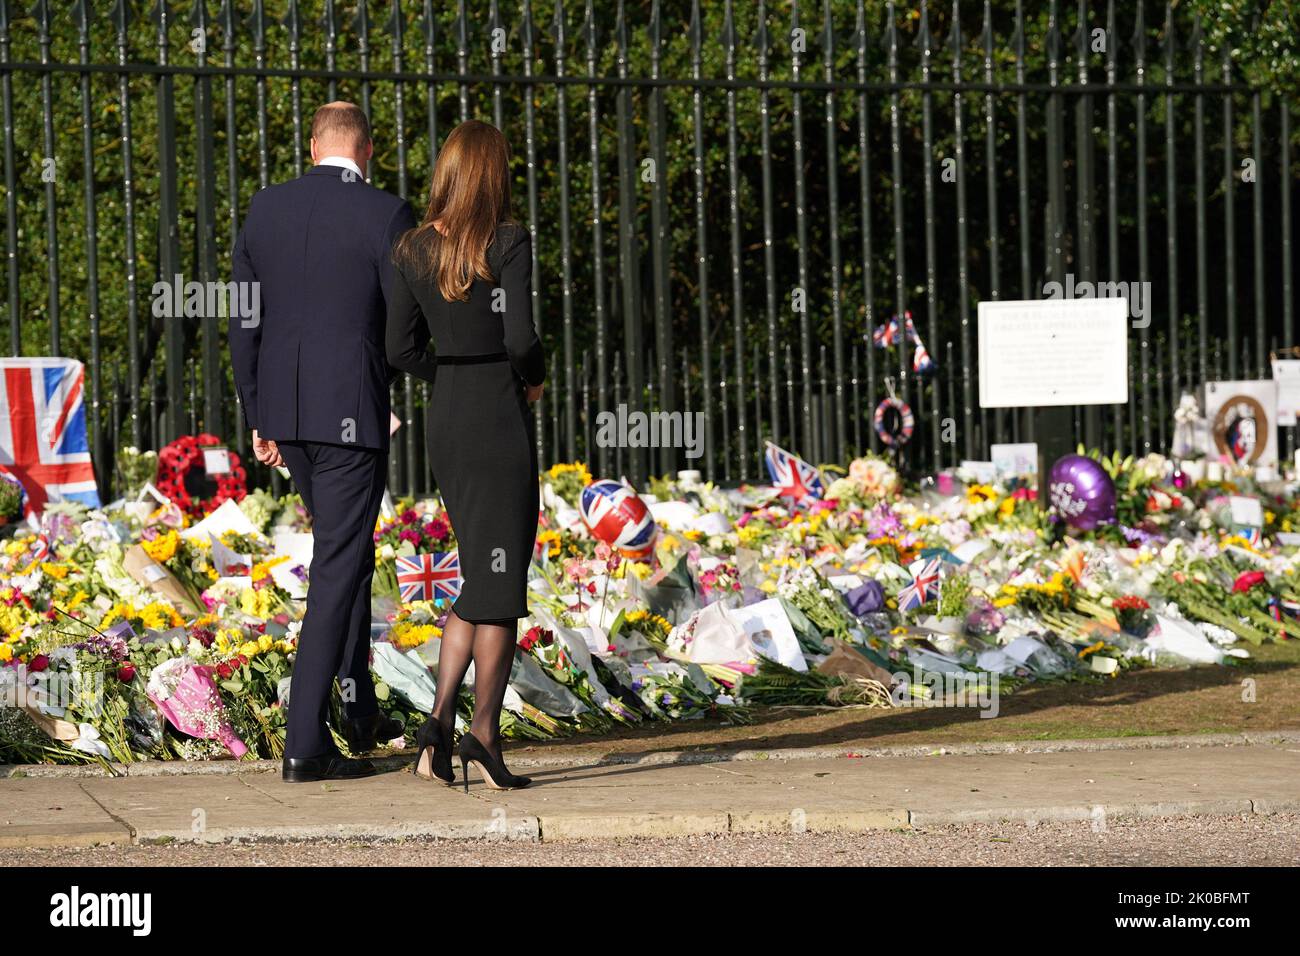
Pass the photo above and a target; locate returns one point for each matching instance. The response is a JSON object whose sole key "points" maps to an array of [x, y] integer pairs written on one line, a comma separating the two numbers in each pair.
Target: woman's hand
{"points": [[533, 392]]}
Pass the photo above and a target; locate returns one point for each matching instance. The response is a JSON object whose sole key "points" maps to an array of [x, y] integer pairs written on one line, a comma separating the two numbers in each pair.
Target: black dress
{"points": [[479, 425]]}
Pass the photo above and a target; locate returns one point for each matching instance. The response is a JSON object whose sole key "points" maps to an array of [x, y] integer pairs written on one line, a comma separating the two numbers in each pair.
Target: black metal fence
{"points": [[725, 201]]}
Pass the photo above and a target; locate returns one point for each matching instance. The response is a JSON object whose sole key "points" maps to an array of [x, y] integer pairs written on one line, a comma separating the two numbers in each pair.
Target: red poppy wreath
{"points": [[183, 478]]}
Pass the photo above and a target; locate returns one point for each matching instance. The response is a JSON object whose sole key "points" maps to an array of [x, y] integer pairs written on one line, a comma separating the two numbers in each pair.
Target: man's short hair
{"points": [[341, 121]]}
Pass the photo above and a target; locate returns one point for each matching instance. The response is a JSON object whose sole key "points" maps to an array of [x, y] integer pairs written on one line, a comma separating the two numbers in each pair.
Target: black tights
{"points": [[491, 645]]}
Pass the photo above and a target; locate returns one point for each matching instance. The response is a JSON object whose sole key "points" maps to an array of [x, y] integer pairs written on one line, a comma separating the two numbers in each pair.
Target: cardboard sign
{"points": [[1053, 352]]}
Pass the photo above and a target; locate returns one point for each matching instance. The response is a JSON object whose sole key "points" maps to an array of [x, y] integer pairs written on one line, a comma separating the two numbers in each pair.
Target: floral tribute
{"points": [[169, 631]]}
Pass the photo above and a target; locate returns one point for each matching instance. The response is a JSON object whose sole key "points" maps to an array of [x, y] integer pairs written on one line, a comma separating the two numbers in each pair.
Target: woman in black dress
{"points": [[463, 280]]}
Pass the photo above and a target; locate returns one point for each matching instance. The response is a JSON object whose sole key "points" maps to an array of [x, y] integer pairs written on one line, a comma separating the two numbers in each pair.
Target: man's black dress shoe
{"points": [[363, 733], [328, 767]]}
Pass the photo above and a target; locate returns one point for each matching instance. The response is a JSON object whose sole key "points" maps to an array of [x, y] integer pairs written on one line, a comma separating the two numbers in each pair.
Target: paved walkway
{"points": [[792, 792]]}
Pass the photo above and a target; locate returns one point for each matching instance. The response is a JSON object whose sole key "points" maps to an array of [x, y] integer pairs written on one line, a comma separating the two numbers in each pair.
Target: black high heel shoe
{"points": [[493, 769], [433, 742]]}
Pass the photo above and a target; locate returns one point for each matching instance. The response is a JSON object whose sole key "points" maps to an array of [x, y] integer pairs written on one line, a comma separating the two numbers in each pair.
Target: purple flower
{"points": [[882, 522]]}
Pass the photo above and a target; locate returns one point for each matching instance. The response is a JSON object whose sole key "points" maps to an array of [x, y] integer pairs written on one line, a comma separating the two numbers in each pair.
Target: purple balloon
{"points": [[1081, 492]]}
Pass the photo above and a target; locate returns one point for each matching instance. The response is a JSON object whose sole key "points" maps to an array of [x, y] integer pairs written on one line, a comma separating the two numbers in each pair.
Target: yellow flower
{"points": [[577, 468], [119, 611], [163, 547], [264, 642], [977, 493], [550, 540], [248, 649], [6, 653], [262, 569], [407, 635], [56, 571], [158, 616], [257, 603]]}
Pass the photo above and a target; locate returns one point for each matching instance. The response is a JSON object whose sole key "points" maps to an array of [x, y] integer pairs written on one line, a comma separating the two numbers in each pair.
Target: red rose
{"points": [[38, 663], [1247, 580], [224, 671], [126, 673], [530, 638]]}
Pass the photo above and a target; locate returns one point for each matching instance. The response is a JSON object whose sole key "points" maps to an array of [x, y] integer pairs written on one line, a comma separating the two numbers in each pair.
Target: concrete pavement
{"points": [[790, 792]]}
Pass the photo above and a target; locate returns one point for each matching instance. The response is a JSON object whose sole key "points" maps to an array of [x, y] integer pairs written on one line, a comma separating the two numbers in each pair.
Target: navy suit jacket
{"points": [[312, 366]]}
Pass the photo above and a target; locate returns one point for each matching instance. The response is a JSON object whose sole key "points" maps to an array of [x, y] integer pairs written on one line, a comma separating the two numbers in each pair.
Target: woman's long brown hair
{"points": [[470, 196]]}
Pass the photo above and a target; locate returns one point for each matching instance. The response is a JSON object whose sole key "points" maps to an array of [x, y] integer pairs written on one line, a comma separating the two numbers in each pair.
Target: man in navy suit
{"points": [[313, 381]]}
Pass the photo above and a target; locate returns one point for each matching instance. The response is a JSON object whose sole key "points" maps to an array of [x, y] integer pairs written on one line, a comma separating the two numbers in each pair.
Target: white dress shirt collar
{"points": [[342, 161]]}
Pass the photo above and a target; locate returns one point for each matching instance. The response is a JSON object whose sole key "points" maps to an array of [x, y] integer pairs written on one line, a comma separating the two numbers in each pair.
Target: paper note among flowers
{"points": [[226, 518], [216, 461]]}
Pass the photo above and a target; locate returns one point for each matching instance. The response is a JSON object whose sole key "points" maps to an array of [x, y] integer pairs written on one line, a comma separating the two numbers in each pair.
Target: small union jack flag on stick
{"points": [[793, 478], [427, 577], [924, 586]]}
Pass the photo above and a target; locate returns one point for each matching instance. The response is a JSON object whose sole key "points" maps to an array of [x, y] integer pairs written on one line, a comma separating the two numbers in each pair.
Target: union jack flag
{"points": [[43, 431], [893, 332], [795, 479], [887, 334], [427, 577], [924, 586]]}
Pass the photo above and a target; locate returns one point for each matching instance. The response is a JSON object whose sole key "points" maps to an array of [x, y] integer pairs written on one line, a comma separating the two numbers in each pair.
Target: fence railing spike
{"points": [[82, 15]]}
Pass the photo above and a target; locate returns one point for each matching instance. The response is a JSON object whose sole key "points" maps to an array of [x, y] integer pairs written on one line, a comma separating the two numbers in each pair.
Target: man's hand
{"points": [[267, 452], [533, 393]]}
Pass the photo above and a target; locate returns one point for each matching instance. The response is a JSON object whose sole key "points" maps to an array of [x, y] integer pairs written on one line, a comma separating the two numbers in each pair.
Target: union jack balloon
{"points": [[615, 514]]}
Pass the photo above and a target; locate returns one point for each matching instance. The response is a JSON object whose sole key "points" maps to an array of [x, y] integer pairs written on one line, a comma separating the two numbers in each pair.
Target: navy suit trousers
{"points": [[342, 487]]}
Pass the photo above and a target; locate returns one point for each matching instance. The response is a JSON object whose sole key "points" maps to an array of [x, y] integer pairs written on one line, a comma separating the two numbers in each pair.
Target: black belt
{"points": [[471, 359]]}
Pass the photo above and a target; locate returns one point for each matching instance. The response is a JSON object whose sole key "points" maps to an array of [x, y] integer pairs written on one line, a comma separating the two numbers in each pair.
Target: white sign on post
{"points": [[1286, 372], [1053, 352]]}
